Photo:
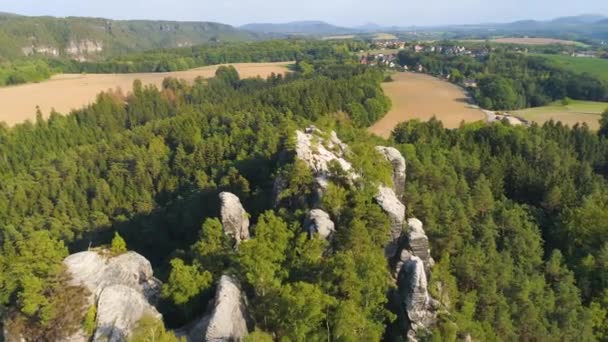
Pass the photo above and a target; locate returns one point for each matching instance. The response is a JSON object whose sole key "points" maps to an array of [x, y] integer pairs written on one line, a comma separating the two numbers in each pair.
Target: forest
{"points": [[509, 80], [516, 216]]}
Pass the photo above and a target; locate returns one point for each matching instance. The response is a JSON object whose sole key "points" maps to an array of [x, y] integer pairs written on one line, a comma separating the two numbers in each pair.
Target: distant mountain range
{"points": [[587, 26], [297, 28]]}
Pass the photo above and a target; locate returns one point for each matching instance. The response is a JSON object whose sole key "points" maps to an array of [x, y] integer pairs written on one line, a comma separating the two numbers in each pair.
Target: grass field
{"points": [[576, 112], [346, 36], [594, 66], [385, 36], [419, 96], [528, 41], [69, 91]]}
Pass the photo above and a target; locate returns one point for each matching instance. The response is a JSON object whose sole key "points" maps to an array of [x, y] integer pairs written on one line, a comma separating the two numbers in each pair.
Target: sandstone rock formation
{"points": [[319, 153], [122, 288], [319, 222], [398, 162], [235, 219], [420, 308], [395, 210], [418, 242], [227, 320], [119, 308]]}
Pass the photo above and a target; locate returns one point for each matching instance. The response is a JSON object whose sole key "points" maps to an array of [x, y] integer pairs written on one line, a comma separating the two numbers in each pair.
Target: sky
{"points": [[339, 12]]}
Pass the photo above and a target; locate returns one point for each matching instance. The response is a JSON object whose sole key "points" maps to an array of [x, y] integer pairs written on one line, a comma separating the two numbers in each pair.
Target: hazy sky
{"points": [[342, 12]]}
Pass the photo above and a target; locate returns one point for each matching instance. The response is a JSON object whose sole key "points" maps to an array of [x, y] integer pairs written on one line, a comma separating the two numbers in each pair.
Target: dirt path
{"points": [[69, 91], [419, 96]]}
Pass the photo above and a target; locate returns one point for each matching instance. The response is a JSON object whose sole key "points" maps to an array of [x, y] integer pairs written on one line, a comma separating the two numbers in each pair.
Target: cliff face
{"points": [[122, 288]]}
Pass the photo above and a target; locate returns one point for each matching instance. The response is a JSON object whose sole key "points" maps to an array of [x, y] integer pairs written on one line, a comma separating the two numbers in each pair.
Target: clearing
{"points": [[575, 112], [72, 91], [594, 66], [420, 96]]}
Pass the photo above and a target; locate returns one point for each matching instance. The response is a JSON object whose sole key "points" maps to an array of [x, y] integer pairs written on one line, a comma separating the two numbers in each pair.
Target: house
{"points": [[418, 48], [470, 83]]}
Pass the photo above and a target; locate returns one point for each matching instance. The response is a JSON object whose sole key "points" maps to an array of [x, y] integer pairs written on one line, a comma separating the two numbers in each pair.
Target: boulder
{"points": [[235, 219], [398, 163], [319, 222], [418, 242], [395, 210], [119, 308], [228, 321], [123, 288]]}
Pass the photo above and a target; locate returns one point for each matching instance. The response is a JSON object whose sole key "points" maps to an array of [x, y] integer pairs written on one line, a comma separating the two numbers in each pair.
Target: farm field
{"points": [[576, 112], [419, 96], [594, 66], [71, 91], [530, 41]]}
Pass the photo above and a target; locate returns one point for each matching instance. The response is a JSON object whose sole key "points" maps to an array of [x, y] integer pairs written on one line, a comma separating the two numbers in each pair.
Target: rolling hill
{"points": [[87, 38], [311, 28]]}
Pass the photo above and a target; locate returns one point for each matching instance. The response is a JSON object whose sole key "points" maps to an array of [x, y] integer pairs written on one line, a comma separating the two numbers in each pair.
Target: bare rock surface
{"points": [[122, 288], [388, 201], [119, 308], [420, 307], [399, 167], [96, 272], [319, 153], [418, 242], [235, 219], [319, 222], [228, 321]]}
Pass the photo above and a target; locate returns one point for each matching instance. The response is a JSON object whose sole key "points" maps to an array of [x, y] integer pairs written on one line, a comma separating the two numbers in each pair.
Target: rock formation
{"points": [[412, 271], [398, 162], [235, 219], [227, 320], [122, 288], [395, 210], [418, 242], [319, 222], [119, 308], [319, 153], [420, 308]]}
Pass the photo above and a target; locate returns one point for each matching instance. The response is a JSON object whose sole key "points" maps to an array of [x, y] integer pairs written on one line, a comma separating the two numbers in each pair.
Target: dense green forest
{"points": [[516, 216], [511, 80], [26, 70], [68, 37]]}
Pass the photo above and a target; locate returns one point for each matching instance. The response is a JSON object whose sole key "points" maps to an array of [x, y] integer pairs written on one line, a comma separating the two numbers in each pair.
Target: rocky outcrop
{"points": [[119, 308], [319, 222], [235, 219], [420, 308], [319, 153], [122, 288], [84, 47], [395, 210], [398, 163], [227, 320], [411, 271], [418, 242]]}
